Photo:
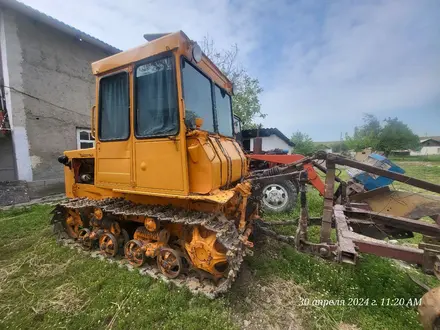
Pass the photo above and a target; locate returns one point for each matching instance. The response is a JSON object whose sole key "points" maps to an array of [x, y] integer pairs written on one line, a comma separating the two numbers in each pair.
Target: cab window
{"points": [[223, 111], [156, 99], [198, 97], [114, 107]]}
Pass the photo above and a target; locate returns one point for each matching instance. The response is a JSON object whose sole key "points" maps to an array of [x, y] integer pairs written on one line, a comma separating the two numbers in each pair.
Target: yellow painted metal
{"points": [[177, 42], [195, 170], [113, 163], [205, 252], [221, 196], [159, 166]]}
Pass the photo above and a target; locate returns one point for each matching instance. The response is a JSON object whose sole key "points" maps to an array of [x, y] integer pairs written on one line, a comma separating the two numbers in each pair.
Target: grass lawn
{"points": [[44, 285]]}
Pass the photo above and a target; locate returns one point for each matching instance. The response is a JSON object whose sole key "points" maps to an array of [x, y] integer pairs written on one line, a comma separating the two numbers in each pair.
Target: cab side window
{"points": [[114, 107]]}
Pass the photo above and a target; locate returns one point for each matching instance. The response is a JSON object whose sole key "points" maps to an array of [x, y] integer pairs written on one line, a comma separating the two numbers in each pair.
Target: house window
{"points": [[84, 139]]}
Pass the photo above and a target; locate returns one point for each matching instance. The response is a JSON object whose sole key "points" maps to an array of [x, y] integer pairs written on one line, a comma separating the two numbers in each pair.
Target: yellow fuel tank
{"points": [[214, 162]]}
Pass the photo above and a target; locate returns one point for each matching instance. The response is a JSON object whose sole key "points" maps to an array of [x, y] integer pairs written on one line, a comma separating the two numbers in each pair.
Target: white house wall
{"points": [[271, 142], [434, 150]]}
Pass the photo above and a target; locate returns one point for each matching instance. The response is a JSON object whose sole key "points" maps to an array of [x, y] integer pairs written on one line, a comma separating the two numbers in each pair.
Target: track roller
{"points": [[108, 244], [134, 253], [169, 262]]}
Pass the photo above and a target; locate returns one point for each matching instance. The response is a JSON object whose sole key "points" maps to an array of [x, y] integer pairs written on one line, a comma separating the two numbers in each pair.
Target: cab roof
{"points": [[163, 44]]}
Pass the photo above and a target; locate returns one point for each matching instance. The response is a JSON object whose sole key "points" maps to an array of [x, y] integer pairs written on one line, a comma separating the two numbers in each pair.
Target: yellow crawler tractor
{"points": [[164, 180], [167, 185]]}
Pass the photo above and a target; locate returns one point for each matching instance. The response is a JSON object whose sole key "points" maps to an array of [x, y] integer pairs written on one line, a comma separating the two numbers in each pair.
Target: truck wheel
{"points": [[279, 196], [429, 309]]}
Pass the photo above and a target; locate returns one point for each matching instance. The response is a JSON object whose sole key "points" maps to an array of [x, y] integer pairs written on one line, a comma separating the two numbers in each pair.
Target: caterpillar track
{"points": [[196, 280]]}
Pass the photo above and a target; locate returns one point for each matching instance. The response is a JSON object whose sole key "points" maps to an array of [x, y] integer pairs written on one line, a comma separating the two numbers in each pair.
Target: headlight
{"points": [[197, 53]]}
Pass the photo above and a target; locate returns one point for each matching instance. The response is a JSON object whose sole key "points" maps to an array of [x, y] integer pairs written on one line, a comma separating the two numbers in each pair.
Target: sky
{"points": [[322, 64]]}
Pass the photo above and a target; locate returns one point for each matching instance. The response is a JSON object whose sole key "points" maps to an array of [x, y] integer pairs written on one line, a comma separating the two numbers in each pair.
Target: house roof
{"points": [[322, 145], [425, 138], [56, 24], [264, 132], [430, 139]]}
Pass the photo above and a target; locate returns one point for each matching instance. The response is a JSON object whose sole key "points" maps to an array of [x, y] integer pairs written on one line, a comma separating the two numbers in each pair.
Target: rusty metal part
{"points": [[426, 255], [328, 203], [192, 282], [245, 237], [262, 227], [313, 221], [258, 144], [169, 262], [73, 223], [429, 310], [134, 253], [152, 248], [245, 190], [150, 224], [431, 257], [84, 239], [206, 252], [97, 212], [400, 203], [394, 221], [303, 223], [108, 244], [346, 247], [224, 229], [377, 247], [143, 234], [151, 242]]}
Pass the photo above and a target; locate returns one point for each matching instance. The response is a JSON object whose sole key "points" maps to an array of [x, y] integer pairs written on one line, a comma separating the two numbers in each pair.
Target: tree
{"points": [[245, 102], [397, 136], [365, 136], [340, 147], [304, 144]]}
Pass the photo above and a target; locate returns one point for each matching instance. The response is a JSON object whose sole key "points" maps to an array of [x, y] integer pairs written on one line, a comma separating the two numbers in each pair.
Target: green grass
{"points": [[373, 278], [44, 285], [427, 158], [428, 171]]}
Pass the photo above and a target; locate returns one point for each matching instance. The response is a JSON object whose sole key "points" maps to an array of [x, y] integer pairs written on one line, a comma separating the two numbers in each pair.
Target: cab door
{"points": [[159, 144], [114, 145]]}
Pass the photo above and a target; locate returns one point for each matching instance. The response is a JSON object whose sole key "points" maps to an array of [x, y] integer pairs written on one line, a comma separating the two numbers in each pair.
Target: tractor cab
{"points": [[162, 123]]}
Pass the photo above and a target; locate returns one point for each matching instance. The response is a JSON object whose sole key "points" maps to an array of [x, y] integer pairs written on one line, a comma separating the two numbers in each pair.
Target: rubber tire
{"points": [[292, 193]]}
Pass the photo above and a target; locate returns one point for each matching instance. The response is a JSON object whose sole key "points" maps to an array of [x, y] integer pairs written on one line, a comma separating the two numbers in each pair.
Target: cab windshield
{"points": [[204, 99], [198, 96]]}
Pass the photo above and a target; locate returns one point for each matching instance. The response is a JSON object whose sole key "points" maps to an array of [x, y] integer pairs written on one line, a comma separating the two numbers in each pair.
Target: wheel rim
{"points": [[275, 196], [169, 262], [108, 244], [134, 253]]}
